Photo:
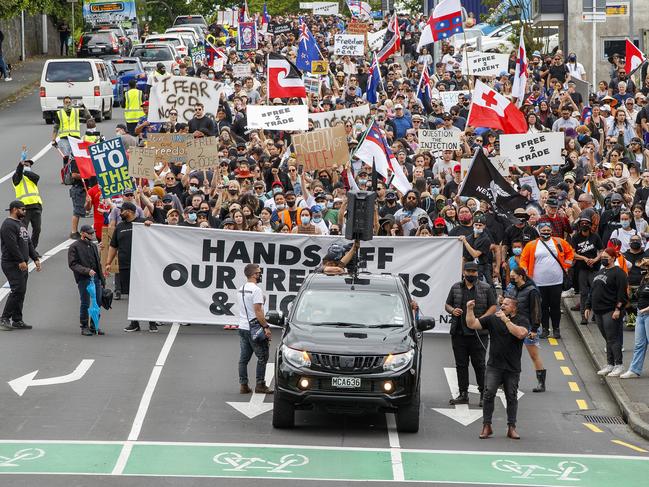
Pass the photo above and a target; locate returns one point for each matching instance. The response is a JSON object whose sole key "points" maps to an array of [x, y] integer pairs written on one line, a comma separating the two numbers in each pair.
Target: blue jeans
{"points": [[85, 297], [3, 67], [641, 342], [246, 348]]}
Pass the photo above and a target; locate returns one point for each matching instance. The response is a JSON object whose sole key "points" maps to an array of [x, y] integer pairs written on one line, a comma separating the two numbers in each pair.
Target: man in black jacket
{"points": [[17, 249], [83, 260]]}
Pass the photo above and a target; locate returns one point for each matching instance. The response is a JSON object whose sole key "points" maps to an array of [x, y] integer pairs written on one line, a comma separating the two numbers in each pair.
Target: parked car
{"points": [[86, 81], [190, 20], [98, 44], [118, 89], [186, 30], [153, 53], [172, 39], [119, 31]]}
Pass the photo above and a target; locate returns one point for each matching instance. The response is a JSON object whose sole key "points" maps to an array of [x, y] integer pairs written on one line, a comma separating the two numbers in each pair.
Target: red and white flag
{"points": [[393, 44], [79, 149], [491, 109], [284, 79], [520, 77], [445, 22], [634, 57]]}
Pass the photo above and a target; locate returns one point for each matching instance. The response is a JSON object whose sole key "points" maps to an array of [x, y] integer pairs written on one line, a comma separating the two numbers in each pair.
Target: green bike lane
{"points": [[159, 459]]}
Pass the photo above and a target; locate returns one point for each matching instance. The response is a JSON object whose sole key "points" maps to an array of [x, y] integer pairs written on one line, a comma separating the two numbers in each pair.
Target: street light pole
{"points": [[594, 44]]}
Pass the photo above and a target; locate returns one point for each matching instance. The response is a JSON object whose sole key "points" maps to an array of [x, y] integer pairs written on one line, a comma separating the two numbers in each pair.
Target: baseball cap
{"points": [[439, 222], [127, 205], [553, 203], [227, 221], [526, 187], [520, 213], [316, 209], [173, 210], [15, 204], [398, 106], [480, 219], [167, 198], [121, 126], [389, 218], [391, 195], [470, 266], [457, 168], [605, 108], [616, 197], [129, 191], [87, 229], [570, 176], [145, 103]]}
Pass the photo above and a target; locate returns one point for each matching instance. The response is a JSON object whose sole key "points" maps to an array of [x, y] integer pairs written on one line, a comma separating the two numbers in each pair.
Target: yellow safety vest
{"points": [[133, 111], [91, 138], [69, 125], [27, 192]]}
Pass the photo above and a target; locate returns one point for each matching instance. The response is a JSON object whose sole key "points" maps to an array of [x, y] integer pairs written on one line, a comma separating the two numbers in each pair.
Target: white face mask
{"points": [[27, 168]]}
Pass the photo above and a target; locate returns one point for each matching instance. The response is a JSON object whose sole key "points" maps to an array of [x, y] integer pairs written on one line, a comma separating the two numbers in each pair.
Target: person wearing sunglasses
{"points": [[200, 125]]}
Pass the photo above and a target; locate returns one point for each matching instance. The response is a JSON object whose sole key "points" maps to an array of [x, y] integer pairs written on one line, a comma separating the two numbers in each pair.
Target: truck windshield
{"points": [[147, 54], [347, 308]]}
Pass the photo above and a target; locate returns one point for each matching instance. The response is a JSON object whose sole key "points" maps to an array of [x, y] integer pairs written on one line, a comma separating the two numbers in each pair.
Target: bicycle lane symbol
{"points": [[21, 455], [240, 463], [565, 471]]}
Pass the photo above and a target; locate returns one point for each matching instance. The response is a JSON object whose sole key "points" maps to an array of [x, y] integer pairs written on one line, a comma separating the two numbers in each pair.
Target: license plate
{"points": [[346, 382], [95, 49]]}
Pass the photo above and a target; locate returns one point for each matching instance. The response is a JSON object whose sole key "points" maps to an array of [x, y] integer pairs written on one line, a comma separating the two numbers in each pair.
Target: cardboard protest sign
{"points": [[241, 70], [197, 54], [141, 161], [111, 167], [203, 153], [375, 39], [531, 181], [247, 38], [321, 149], [278, 117], [328, 119], [355, 27], [324, 8], [449, 98], [533, 149], [182, 93], [169, 148], [485, 63], [319, 67], [106, 235], [439, 139], [279, 28], [349, 44]]}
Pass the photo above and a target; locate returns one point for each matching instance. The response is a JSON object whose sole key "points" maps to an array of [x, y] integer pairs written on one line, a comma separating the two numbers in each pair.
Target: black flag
{"points": [[484, 182]]}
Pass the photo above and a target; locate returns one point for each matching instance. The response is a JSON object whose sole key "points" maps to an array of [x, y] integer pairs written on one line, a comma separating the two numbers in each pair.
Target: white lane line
{"points": [[145, 402], [5, 290], [40, 154], [395, 448]]}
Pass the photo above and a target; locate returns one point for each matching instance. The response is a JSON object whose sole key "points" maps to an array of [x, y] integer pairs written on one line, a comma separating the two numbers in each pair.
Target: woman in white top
{"points": [[625, 232]]}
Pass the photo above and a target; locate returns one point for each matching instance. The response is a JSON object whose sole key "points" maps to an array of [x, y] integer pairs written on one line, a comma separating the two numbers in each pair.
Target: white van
{"points": [[86, 81]]}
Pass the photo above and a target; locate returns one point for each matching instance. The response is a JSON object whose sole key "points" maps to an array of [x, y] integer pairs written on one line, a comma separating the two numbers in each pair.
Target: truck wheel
{"points": [[283, 412], [49, 118], [99, 115], [407, 417]]}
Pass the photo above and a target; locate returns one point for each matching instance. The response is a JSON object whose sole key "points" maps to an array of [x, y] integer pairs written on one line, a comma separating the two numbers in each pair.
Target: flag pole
{"points": [[465, 54]]}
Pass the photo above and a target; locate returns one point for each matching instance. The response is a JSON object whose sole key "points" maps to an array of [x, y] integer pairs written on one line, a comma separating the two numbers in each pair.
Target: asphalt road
{"points": [[153, 409]]}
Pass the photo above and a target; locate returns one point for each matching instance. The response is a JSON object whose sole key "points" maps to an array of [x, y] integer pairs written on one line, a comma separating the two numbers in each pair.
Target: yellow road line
{"points": [[559, 355], [566, 370], [574, 387], [582, 404], [628, 445], [592, 427], [553, 341]]}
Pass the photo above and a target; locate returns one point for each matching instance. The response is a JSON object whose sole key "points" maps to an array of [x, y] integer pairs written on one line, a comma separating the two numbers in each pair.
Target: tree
{"points": [[504, 10]]}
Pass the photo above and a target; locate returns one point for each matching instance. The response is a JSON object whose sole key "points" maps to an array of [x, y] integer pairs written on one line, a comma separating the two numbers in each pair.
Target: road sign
{"points": [[593, 17], [587, 5]]}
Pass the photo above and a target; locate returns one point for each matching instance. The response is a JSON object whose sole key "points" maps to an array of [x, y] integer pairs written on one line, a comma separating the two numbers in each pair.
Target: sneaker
{"points": [[607, 369], [5, 325], [21, 325], [544, 334], [617, 371], [132, 327], [629, 374], [8, 79], [99, 332], [117, 295], [567, 294], [583, 321], [85, 331], [153, 328], [75, 236], [556, 335]]}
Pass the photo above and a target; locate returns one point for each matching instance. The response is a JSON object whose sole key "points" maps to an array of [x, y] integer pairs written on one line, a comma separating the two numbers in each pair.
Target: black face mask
{"points": [[635, 245], [259, 277], [438, 231], [584, 227], [546, 236], [471, 279], [334, 232], [605, 262], [291, 204], [232, 191], [168, 207]]}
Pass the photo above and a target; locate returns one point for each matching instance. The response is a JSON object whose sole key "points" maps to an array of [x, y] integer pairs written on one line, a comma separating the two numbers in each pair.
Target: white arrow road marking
{"points": [[256, 405], [459, 412], [21, 384]]}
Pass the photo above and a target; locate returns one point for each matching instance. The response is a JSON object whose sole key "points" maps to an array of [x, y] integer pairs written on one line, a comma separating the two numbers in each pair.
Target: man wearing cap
{"points": [[477, 248], [467, 344], [610, 220], [558, 221], [120, 246], [401, 121], [127, 139], [521, 230], [25, 183], [391, 205], [145, 127], [84, 261], [17, 249]]}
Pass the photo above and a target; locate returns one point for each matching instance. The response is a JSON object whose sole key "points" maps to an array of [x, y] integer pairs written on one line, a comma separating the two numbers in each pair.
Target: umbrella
{"points": [[93, 308]]}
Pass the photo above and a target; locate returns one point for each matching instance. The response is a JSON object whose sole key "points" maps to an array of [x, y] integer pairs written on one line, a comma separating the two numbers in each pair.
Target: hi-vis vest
{"points": [[91, 138], [69, 125], [133, 111], [27, 192]]}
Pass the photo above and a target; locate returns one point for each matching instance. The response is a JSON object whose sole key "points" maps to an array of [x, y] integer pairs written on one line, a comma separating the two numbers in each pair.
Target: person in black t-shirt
{"points": [[477, 247], [634, 256], [587, 247], [507, 329]]}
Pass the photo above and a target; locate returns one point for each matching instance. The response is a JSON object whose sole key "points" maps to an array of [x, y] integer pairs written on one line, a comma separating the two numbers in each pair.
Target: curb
{"points": [[635, 422]]}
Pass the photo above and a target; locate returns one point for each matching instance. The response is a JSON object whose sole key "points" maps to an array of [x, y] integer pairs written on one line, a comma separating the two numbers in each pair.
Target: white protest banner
{"points": [[200, 283], [449, 98], [531, 181], [485, 64], [141, 161], [437, 140], [349, 44], [241, 70], [322, 148], [306, 5], [181, 93], [375, 39], [328, 119], [278, 117], [533, 149], [324, 8]]}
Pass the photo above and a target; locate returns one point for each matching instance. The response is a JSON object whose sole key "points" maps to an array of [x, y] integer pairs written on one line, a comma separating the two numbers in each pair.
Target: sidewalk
{"points": [[25, 77], [631, 395]]}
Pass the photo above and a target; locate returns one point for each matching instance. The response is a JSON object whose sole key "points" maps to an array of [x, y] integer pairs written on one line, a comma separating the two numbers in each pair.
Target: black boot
{"points": [[462, 398], [544, 334], [540, 376]]}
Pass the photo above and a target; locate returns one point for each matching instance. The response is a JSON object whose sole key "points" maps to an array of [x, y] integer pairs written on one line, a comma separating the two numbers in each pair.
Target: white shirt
{"points": [[576, 70], [624, 236], [547, 271], [247, 296]]}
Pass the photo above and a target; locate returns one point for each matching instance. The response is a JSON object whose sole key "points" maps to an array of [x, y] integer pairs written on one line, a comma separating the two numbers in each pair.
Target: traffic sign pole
{"points": [[594, 44]]}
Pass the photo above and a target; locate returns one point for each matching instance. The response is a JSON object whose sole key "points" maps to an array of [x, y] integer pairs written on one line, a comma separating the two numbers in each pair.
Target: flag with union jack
{"points": [[307, 49]]}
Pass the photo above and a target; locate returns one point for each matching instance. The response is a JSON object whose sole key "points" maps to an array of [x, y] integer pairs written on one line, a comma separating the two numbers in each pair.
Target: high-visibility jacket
{"points": [[133, 111], [69, 124], [565, 254], [91, 138], [27, 192]]}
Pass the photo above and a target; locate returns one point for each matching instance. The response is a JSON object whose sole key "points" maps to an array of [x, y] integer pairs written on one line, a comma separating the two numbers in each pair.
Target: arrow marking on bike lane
{"points": [[256, 406], [460, 412], [21, 384]]}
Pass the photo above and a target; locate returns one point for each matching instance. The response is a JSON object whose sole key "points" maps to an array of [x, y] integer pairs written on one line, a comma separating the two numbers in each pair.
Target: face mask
{"points": [[585, 226], [362, 182], [162, 71], [280, 207], [330, 204], [27, 168], [471, 279], [477, 231], [317, 219], [305, 220], [635, 245], [605, 262], [517, 251], [176, 72], [277, 190], [193, 189], [291, 204], [625, 223], [546, 236], [465, 219], [210, 76], [232, 191], [334, 232], [191, 217], [228, 81], [555, 169], [438, 231], [434, 191], [259, 277]]}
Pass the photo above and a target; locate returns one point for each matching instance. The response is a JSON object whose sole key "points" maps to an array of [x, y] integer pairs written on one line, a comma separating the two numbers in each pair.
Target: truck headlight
{"points": [[297, 358], [398, 361]]}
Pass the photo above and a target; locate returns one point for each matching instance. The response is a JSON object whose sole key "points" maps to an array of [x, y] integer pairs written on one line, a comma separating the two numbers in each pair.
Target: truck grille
{"points": [[347, 363]]}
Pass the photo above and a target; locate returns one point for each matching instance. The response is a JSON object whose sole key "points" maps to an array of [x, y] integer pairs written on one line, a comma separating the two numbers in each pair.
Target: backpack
{"points": [[66, 173]]}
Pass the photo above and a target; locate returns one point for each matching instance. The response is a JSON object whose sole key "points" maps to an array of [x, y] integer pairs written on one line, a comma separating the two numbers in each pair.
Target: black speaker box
{"points": [[360, 215]]}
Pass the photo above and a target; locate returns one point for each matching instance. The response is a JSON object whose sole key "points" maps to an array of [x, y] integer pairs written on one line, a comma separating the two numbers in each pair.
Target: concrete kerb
{"points": [[635, 422]]}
